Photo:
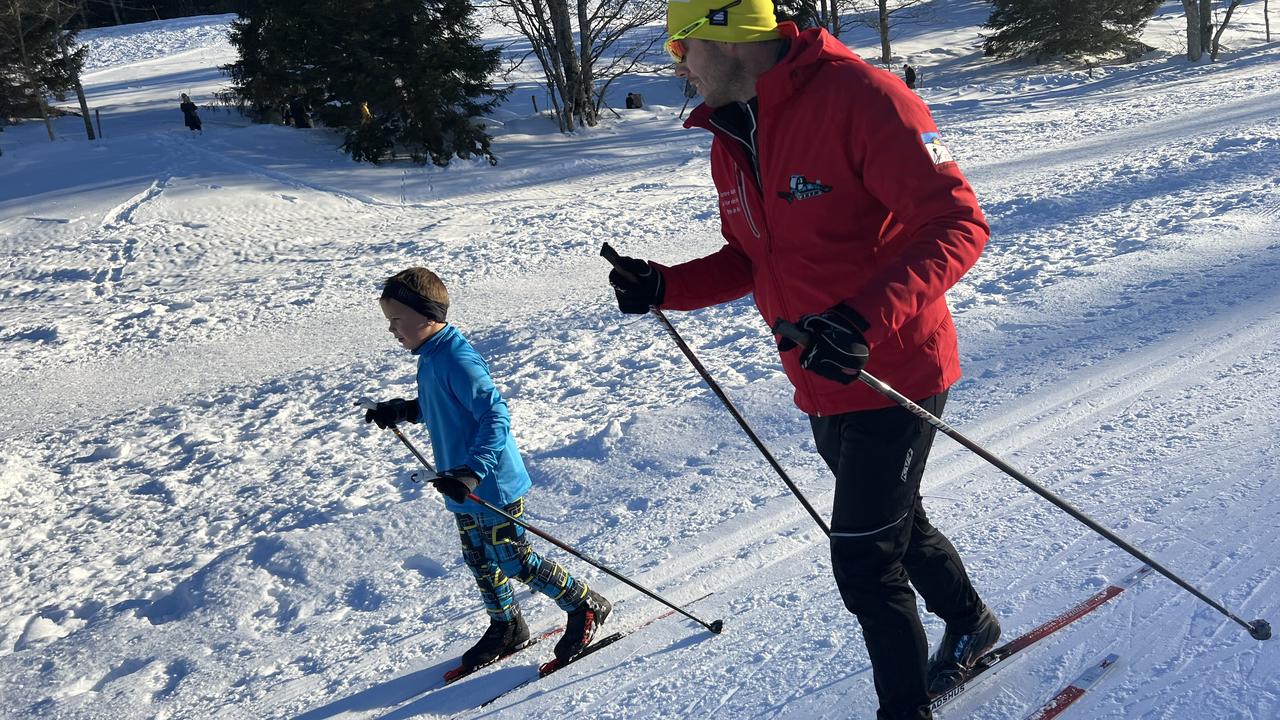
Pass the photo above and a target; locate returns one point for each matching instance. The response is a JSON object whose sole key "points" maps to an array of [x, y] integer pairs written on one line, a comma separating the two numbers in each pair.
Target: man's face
{"points": [[714, 71], [410, 327]]}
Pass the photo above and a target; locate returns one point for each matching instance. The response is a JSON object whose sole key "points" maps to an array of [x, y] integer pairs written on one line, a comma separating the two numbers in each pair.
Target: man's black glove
{"points": [[457, 483], [837, 349], [388, 413], [635, 297]]}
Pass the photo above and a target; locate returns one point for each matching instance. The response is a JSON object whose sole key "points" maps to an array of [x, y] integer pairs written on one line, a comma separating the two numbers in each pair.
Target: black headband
{"points": [[396, 290]]}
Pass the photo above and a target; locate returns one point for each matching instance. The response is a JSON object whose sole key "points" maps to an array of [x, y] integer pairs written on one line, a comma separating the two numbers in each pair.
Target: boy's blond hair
{"points": [[424, 282]]}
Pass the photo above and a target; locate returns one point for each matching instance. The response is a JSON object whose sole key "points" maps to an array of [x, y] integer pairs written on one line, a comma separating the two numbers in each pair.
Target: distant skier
{"points": [[189, 116], [470, 431], [298, 113], [909, 74]]}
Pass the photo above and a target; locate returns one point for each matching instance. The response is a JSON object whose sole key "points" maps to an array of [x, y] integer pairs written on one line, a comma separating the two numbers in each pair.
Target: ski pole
{"points": [[1259, 629], [715, 627], [612, 256]]}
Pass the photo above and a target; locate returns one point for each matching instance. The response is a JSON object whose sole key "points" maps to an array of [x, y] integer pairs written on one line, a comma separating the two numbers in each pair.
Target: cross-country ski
{"points": [[1076, 690]]}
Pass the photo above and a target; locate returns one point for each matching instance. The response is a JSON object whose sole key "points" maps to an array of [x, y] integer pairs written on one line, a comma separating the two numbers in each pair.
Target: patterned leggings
{"points": [[496, 549]]}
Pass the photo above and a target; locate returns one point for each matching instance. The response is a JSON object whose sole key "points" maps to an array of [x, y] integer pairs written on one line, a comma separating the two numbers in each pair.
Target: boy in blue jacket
{"points": [[470, 430]]}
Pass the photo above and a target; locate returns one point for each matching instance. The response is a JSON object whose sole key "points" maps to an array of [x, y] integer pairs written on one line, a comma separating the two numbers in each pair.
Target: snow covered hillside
{"points": [[197, 523]]}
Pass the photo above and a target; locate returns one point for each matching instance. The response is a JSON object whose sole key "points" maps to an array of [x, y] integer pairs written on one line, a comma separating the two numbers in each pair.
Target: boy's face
{"points": [[410, 327]]}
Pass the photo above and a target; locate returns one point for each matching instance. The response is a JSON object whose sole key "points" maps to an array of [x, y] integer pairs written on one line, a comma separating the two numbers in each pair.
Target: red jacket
{"points": [[857, 203]]}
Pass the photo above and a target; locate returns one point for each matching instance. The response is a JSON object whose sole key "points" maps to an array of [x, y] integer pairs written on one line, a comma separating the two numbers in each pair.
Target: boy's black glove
{"points": [[837, 349], [388, 413], [457, 483], [635, 297]]}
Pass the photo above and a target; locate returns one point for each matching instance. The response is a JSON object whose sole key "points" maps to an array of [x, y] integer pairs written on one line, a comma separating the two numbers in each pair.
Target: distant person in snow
{"points": [[909, 74], [298, 113], [470, 429], [844, 213], [189, 116]]}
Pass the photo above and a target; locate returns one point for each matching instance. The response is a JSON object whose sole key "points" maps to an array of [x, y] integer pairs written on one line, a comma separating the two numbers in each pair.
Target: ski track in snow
{"points": [[197, 518]]}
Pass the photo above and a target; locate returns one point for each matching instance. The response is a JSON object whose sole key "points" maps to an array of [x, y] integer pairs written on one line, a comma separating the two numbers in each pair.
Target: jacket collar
{"points": [[807, 49], [435, 342]]}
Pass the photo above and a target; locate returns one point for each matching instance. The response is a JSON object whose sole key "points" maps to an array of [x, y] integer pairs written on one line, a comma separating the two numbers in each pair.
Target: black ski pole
{"points": [[1259, 629], [612, 256], [716, 626]]}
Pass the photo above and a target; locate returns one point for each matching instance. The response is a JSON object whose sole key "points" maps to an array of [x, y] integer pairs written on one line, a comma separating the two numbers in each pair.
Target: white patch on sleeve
{"points": [[938, 150]]}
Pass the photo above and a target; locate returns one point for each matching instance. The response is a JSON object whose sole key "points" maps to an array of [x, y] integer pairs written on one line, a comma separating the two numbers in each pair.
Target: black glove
{"points": [[837, 349], [635, 297], [388, 413], [457, 483]]}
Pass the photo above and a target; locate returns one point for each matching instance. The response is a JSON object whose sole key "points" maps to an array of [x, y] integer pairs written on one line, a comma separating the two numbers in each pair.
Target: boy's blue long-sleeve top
{"points": [[468, 420]]}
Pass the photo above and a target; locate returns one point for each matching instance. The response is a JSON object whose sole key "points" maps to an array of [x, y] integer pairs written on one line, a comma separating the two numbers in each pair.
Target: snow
{"points": [[197, 522]]}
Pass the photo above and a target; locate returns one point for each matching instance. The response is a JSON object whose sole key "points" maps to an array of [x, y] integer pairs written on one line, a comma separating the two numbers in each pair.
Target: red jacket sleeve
{"points": [[722, 276], [938, 230], [717, 278]]}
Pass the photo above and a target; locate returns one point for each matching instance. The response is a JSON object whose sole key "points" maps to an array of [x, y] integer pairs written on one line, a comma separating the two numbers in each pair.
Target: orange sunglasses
{"points": [[675, 44]]}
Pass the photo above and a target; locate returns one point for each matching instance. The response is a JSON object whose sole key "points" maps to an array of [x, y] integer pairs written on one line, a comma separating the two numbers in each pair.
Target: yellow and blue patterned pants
{"points": [[496, 550]]}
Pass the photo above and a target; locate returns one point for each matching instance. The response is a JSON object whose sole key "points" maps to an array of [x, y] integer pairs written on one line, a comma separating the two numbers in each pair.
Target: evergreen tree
{"points": [[37, 57], [417, 66], [1053, 28]]}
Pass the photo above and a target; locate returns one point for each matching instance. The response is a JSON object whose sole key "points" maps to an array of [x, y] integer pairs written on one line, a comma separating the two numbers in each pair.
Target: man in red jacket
{"points": [[844, 212]]}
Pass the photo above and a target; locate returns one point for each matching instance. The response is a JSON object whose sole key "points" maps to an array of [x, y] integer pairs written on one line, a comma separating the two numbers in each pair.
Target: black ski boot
{"points": [[958, 651], [500, 639], [581, 628]]}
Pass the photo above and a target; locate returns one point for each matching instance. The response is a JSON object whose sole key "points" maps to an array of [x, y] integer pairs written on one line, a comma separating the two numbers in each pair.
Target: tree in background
{"points": [[885, 15], [804, 13], [1201, 36], [582, 47], [116, 12], [36, 56], [1051, 28], [1199, 27], [417, 66]]}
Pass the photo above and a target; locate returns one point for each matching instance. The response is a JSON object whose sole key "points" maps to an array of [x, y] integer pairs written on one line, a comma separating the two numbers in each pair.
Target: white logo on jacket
{"points": [[730, 204], [938, 150]]}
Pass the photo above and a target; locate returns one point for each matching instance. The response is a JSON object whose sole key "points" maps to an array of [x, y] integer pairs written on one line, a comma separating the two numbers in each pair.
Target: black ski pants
{"points": [[882, 544]]}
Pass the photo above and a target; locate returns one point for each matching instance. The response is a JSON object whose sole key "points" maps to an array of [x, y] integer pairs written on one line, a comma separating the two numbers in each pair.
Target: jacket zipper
{"points": [[808, 390], [746, 209]]}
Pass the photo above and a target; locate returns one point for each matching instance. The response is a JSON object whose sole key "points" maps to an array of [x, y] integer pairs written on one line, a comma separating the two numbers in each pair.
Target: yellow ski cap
{"points": [[723, 20]]}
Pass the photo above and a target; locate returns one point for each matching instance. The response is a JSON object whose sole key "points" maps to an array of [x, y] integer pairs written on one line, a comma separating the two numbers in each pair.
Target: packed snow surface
{"points": [[196, 521]]}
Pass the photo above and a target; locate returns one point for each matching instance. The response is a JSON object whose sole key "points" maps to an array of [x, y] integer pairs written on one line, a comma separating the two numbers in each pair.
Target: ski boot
{"points": [[580, 630], [501, 639], [958, 652]]}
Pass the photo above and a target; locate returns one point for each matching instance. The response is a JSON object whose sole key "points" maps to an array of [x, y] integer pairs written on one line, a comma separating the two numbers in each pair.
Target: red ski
{"points": [[462, 671], [1075, 690], [998, 657]]}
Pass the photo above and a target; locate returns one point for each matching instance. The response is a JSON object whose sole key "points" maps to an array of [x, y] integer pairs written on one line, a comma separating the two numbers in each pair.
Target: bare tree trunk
{"points": [[1266, 17], [1194, 49], [568, 59], [84, 104], [1226, 20], [835, 18], [84, 111], [586, 85], [886, 54], [1206, 24]]}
